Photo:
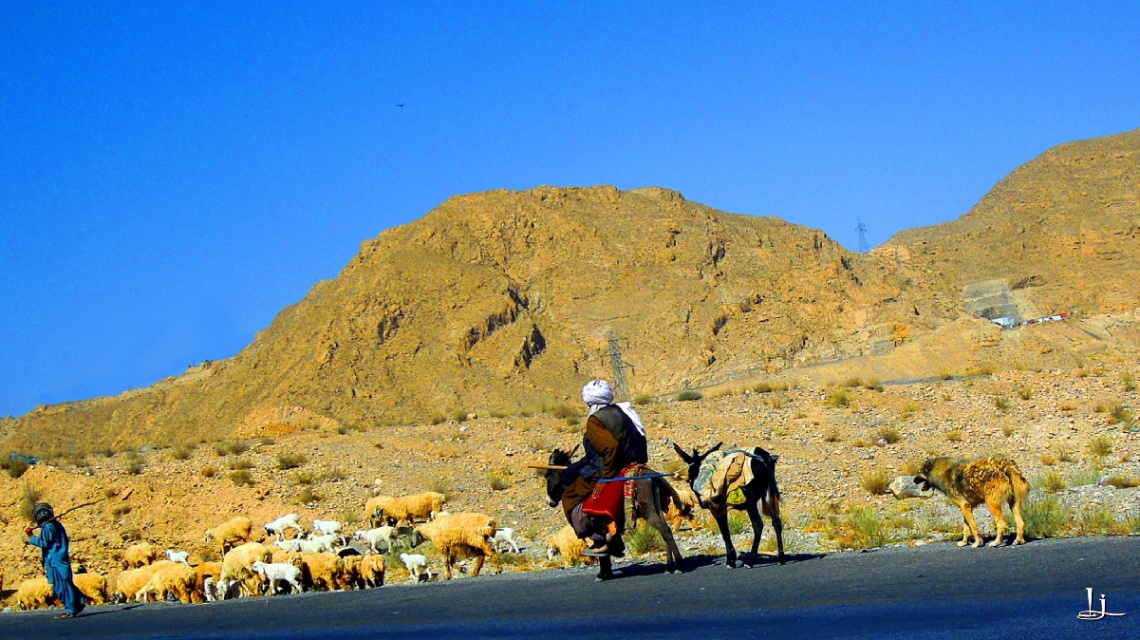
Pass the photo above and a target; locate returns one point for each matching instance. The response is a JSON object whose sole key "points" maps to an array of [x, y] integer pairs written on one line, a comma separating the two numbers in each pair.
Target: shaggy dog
{"points": [[992, 480]]}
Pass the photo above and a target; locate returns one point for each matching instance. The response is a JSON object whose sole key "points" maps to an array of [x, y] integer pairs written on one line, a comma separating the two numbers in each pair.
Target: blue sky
{"points": [[173, 174]]}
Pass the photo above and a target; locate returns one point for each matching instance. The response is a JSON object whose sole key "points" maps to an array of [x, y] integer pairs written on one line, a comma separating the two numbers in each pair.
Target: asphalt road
{"points": [[936, 591]]}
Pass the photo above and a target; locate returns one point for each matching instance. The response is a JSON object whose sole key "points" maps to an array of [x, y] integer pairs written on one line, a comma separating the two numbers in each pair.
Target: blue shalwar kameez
{"points": [[57, 565]]}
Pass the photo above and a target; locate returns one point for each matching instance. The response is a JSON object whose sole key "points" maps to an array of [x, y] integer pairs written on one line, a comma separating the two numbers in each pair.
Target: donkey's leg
{"points": [[672, 552], [778, 527], [757, 525], [729, 550]]}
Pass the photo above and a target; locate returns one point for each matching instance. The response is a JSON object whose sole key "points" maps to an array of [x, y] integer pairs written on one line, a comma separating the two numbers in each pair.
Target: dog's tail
{"points": [[1020, 489]]}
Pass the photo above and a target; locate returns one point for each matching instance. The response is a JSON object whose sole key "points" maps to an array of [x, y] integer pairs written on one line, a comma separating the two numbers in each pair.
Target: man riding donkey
{"points": [[614, 445], [56, 558]]}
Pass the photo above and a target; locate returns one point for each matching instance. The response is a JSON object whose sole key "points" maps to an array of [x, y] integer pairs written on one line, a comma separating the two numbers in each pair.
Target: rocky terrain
{"points": [[832, 440], [449, 354]]}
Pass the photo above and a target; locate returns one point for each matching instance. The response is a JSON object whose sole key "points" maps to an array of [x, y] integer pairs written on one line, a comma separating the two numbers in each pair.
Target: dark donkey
{"points": [[761, 493], [650, 501]]}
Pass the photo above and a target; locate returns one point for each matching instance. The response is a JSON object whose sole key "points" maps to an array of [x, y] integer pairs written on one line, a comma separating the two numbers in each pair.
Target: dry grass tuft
{"points": [[1100, 446], [286, 461], [876, 482], [838, 398]]}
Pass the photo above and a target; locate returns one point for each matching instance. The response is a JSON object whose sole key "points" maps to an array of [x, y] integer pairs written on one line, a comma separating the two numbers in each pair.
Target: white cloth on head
{"points": [[627, 409], [597, 394]]}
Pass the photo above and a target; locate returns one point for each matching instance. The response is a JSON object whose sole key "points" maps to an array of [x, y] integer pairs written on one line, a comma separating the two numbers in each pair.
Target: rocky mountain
{"points": [[1063, 231], [506, 301]]}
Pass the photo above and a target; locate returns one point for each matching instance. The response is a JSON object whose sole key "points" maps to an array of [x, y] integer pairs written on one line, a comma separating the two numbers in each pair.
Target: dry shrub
{"points": [[307, 495], [234, 447], [832, 435], [838, 398], [1100, 446], [209, 471], [239, 465], [499, 479], [29, 496], [954, 435], [304, 478], [333, 474], [241, 477], [1121, 482], [1050, 481], [642, 398], [689, 395], [1048, 460], [1129, 381], [889, 434], [1025, 392], [286, 461], [182, 452], [1002, 403], [134, 464], [876, 482]]}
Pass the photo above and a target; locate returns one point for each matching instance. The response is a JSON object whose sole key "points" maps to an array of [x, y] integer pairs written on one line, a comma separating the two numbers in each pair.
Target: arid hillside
{"points": [[504, 302], [1063, 231]]}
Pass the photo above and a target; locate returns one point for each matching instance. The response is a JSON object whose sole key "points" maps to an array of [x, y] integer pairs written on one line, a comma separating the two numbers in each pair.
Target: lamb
{"points": [[230, 533], [410, 508], [279, 572], [130, 582], [207, 570], [416, 564], [178, 556], [318, 544], [287, 521], [174, 579], [328, 528], [139, 555], [292, 546], [506, 535], [321, 570], [459, 533], [35, 593], [237, 563], [567, 543], [372, 570], [211, 590], [93, 587], [374, 537]]}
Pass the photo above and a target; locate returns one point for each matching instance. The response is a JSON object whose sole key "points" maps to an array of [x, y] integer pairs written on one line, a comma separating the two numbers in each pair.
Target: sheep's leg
{"points": [[478, 565], [448, 559]]}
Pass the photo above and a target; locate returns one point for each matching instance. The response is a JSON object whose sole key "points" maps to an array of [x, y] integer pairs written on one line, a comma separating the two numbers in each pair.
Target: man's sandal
{"points": [[65, 616]]}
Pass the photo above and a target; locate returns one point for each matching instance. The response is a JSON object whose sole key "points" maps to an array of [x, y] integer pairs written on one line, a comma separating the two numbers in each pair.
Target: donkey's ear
{"points": [[715, 447], [681, 452], [574, 450]]}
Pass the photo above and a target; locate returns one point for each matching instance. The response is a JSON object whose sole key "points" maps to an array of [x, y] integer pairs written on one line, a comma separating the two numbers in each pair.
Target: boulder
{"points": [[903, 487]]}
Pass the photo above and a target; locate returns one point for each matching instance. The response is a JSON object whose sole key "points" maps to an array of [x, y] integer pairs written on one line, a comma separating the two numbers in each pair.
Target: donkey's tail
{"points": [[771, 499]]}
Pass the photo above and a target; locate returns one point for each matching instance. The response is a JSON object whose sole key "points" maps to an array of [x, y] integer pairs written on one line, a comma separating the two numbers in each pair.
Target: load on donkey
{"points": [[592, 490]]}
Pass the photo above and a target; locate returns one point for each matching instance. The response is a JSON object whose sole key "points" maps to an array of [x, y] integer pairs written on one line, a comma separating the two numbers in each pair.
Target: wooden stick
{"points": [[551, 467]]}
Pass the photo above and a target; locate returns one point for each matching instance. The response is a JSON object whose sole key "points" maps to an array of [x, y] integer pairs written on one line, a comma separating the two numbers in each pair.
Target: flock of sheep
{"points": [[319, 559]]}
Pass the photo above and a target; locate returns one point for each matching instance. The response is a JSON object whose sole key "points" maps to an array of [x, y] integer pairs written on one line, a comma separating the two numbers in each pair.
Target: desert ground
{"points": [[841, 436]]}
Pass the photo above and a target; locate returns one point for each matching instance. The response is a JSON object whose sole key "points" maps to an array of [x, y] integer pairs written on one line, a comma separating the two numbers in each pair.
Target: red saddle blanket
{"points": [[608, 498]]}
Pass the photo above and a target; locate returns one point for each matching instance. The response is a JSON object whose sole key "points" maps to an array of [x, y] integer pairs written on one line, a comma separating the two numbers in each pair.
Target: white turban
{"points": [[597, 394]]}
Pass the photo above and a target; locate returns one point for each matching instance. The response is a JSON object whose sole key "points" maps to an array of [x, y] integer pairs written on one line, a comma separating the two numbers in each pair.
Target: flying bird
{"points": [[400, 105]]}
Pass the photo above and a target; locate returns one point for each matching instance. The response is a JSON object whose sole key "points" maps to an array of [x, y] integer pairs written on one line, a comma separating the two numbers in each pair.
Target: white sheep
{"points": [[373, 537], [287, 521], [279, 572], [293, 545], [318, 544], [178, 556], [506, 535], [416, 564], [327, 528]]}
